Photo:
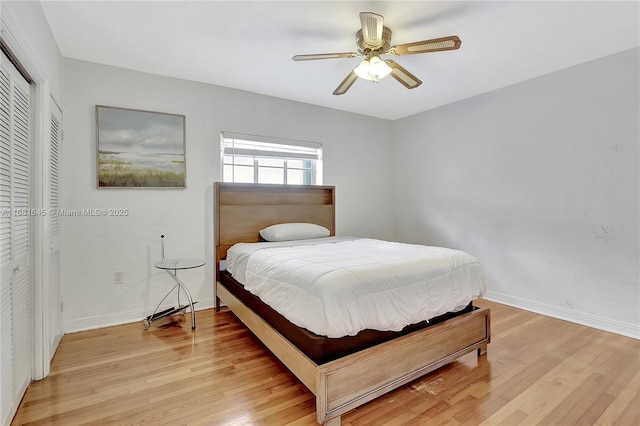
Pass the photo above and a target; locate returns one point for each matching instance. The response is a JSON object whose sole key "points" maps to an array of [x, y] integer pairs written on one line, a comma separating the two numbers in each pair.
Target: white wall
{"points": [[96, 247], [540, 181]]}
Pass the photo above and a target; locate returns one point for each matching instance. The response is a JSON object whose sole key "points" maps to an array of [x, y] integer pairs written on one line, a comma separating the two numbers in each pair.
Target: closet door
{"points": [[53, 277], [15, 228]]}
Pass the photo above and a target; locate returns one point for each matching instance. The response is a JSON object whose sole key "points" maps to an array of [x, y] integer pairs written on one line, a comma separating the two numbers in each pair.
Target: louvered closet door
{"points": [[15, 251], [53, 278], [6, 278]]}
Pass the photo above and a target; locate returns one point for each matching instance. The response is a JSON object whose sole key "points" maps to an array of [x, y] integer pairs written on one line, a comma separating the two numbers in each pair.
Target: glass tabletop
{"points": [[179, 264]]}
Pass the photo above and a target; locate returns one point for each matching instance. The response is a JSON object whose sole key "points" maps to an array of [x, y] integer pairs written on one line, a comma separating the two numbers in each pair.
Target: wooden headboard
{"points": [[242, 209]]}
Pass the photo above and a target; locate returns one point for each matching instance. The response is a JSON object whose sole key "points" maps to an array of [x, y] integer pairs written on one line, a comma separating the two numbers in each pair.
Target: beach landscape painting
{"points": [[140, 149]]}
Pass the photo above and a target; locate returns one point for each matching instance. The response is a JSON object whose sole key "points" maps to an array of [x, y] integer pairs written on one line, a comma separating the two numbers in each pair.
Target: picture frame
{"points": [[140, 149]]}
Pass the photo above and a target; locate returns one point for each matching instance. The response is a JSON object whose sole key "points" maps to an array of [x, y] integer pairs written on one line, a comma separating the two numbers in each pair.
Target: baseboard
{"points": [[593, 321], [119, 318]]}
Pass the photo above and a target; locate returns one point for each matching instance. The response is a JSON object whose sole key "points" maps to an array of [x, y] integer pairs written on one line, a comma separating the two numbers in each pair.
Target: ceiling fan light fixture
{"points": [[379, 67], [362, 70], [372, 69]]}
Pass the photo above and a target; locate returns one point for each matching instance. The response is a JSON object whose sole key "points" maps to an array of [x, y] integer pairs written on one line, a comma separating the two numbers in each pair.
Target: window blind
{"points": [[239, 144]]}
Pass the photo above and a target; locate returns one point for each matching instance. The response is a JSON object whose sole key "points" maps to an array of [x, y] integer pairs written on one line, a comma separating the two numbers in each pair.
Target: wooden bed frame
{"points": [[241, 210]]}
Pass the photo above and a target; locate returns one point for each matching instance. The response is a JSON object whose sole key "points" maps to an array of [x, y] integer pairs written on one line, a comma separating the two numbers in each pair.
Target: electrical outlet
{"points": [[118, 278]]}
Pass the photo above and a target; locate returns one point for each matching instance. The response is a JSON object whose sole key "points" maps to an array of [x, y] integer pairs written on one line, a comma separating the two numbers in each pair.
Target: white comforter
{"points": [[337, 287]]}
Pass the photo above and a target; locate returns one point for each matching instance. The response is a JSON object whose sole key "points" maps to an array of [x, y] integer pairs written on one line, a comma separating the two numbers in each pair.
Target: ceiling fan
{"points": [[373, 40]]}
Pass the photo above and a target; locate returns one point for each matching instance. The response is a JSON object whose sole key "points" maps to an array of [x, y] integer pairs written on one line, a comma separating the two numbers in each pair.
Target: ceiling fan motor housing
{"points": [[363, 47]]}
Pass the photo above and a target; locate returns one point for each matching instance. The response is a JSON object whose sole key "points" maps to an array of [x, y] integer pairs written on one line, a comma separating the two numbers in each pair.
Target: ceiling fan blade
{"points": [[346, 84], [372, 25], [407, 79], [325, 56], [426, 46]]}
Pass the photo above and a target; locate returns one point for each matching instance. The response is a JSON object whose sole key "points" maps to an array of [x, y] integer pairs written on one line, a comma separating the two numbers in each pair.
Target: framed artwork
{"points": [[140, 149]]}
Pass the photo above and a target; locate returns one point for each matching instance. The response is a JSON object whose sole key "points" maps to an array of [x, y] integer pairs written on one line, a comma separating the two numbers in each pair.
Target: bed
{"points": [[370, 363]]}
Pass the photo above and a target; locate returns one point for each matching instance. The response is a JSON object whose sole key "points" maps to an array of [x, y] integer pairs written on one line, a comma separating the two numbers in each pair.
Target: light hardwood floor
{"points": [[538, 370]]}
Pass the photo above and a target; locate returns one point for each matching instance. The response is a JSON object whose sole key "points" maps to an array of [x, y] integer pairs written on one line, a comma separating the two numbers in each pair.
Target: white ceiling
{"points": [[248, 45]]}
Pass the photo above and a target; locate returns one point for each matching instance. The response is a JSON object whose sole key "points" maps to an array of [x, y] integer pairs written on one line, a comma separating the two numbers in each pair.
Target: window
{"points": [[260, 159]]}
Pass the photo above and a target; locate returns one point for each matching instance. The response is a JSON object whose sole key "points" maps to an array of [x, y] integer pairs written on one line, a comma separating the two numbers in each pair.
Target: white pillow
{"points": [[293, 231]]}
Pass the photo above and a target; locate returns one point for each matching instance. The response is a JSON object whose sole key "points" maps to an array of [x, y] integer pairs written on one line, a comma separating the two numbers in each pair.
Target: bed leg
{"points": [[217, 304], [482, 350], [332, 422]]}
